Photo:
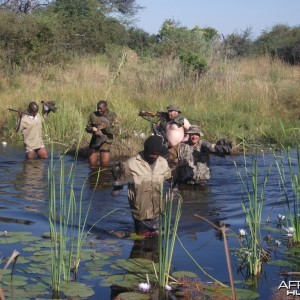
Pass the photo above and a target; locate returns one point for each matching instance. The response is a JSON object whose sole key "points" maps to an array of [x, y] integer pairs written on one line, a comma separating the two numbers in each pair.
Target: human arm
{"points": [[90, 128], [186, 125]]}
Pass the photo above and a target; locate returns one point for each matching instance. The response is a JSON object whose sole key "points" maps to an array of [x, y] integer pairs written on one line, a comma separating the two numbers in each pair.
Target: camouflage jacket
{"points": [[197, 158], [108, 121]]}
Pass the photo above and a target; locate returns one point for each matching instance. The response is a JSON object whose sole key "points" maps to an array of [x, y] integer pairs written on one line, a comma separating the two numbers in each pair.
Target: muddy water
{"points": [[23, 206]]}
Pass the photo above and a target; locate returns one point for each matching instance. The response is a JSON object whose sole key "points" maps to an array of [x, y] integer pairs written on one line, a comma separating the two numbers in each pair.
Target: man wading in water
{"points": [[31, 127], [103, 125], [193, 157], [144, 174]]}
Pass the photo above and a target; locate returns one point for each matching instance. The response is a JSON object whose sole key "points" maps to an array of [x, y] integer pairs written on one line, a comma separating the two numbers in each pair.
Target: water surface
{"points": [[24, 206]]}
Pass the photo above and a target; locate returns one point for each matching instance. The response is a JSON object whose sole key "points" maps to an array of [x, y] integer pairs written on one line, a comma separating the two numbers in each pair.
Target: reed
{"points": [[68, 216], [167, 235], [252, 206], [288, 166]]}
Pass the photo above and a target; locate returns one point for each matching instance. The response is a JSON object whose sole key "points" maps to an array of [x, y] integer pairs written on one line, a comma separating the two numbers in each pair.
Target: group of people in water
{"points": [[178, 155]]}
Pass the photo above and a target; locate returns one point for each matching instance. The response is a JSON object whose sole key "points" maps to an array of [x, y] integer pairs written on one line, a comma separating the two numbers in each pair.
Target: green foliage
{"points": [[193, 62], [175, 40], [59, 32], [237, 45], [194, 48], [141, 41], [281, 42]]}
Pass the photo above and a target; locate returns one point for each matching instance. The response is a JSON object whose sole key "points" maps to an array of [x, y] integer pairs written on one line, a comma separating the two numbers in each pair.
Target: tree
{"points": [[193, 47], [238, 44], [281, 42], [21, 6], [124, 7]]}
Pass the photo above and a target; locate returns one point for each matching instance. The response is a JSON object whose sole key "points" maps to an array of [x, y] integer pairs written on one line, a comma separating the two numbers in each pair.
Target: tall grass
{"points": [[235, 99], [253, 207]]}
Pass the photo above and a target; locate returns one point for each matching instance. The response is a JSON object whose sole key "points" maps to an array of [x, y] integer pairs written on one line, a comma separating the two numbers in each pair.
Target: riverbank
{"points": [[249, 102]]}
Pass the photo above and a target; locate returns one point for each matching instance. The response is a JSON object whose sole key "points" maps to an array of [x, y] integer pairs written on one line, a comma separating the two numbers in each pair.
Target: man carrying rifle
{"points": [[31, 128], [177, 127], [103, 125], [171, 126]]}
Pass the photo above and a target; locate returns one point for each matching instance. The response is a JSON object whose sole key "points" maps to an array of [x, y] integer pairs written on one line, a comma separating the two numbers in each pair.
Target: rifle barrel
{"points": [[19, 111]]}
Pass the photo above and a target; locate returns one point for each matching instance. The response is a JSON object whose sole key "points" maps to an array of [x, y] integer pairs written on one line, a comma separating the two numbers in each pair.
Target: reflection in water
{"points": [[32, 180], [197, 200], [100, 179], [145, 248]]}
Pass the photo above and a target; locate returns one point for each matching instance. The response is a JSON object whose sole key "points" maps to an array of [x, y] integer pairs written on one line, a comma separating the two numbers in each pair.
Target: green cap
{"points": [[195, 130], [174, 107]]}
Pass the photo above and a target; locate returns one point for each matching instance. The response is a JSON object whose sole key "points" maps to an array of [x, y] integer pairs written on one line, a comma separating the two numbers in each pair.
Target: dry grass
{"points": [[235, 99]]}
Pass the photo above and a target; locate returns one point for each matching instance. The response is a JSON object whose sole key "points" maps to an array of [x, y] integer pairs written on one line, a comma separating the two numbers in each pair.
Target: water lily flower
{"points": [[242, 232], [277, 242], [167, 288], [290, 230], [280, 217], [4, 144], [144, 287], [5, 232]]}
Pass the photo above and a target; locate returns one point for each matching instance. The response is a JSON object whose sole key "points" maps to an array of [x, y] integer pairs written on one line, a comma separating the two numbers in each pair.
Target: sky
{"points": [[226, 16]]}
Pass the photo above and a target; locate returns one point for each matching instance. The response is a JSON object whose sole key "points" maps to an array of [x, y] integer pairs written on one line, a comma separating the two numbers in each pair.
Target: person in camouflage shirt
{"points": [[103, 126], [193, 158]]}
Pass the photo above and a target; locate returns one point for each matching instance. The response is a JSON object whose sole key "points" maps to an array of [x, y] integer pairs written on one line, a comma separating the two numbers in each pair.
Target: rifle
{"points": [[158, 127], [20, 112], [162, 115], [19, 118]]}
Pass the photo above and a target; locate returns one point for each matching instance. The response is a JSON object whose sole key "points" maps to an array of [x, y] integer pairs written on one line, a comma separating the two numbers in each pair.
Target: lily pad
{"points": [[138, 265], [241, 294], [123, 280], [16, 280], [133, 296], [76, 289], [18, 237], [183, 274]]}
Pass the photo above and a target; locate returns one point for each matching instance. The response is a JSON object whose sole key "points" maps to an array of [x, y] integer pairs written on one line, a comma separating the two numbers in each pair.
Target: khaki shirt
{"points": [[31, 128], [145, 186]]}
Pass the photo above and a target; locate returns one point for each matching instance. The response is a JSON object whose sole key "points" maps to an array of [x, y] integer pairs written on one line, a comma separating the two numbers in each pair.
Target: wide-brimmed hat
{"points": [[174, 107], [194, 129]]}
